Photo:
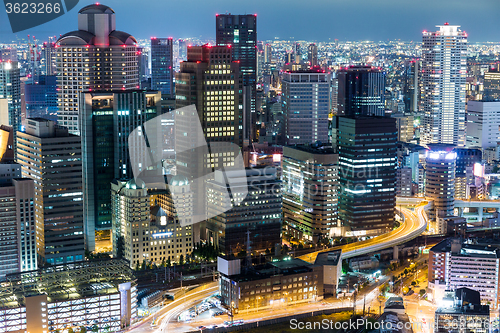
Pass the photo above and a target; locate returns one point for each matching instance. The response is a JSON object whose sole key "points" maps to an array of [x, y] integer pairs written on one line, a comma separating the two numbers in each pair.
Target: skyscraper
{"points": [[313, 55], [268, 53], [240, 32], [483, 124], [162, 71], [411, 91], [444, 60], [492, 84], [210, 80], [107, 119], [361, 91], [367, 173], [49, 52], [10, 89], [440, 166], [17, 224], [259, 213], [52, 157], [306, 105], [310, 182], [96, 57], [41, 98]]}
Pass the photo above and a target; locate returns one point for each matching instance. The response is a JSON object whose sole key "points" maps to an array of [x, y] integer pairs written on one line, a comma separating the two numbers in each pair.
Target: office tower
{"points": [[57, 172], [240, 32], [492, 84], [313, 55], [464, 169], [209, 79], [257, 218], [107, 119], [483, 124], [10, 89], [6, 144], [268, 53], [411, 89], [367, 173], [310, 183], [451, 259], [136, 212], [143, 64], [17, 224], [440, 162], [96, 57], [162, 72], [444, 57], [8, 54], [361, 91], [49, 56], [182, 50], [306, 105], [404, 125], [403, 182], [41, 98]]}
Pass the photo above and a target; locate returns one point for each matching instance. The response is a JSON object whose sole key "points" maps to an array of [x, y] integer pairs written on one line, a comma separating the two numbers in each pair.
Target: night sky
{"points": [[313, 20]]}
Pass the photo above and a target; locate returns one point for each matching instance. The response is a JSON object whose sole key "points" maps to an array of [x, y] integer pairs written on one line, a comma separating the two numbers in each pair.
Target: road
{"points": [[414, 224], [172, 309]]}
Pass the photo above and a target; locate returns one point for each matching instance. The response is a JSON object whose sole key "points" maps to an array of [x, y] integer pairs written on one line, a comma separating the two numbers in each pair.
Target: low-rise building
{"points": [[332, 270], [462, 312], [273, 285], [95, 294]]}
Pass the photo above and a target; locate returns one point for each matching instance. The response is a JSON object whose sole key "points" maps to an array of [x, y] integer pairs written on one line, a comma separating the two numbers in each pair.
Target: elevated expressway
{"points": [[414, 224]]}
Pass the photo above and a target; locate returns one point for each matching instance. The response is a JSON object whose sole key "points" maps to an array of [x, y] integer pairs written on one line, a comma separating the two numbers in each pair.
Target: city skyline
{"points": [[375, 21]]}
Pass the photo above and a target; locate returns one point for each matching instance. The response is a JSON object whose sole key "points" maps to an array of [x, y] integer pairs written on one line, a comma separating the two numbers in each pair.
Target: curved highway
{"points": [[414, 224]]}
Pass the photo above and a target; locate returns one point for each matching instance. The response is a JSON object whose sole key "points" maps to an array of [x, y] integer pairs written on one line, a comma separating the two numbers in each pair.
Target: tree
{"points": [[168, 262], [144, 265], [268, 251], [181, 260], [242, 253], [422, 292], [83, 329], [301, 246], [137, 266], [70, 330], [95, 328]]}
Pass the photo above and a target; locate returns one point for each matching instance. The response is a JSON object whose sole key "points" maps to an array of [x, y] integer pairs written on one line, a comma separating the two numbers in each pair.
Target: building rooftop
{"points": [[287, 266], [329, 258], [65, 281], [96, 9], [316, 148], [482, 249]]}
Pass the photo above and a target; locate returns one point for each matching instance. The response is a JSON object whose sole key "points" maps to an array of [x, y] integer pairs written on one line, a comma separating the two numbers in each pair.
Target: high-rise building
{"points": [[310, 183], [41, 98], [483, 124], [49, 56], [440, 167], [8, 54], [404, 125], [313, 55], [444, 60], [268, 53], [403, 182], [10, 89], [52, 157], [96, 57], [17, 224], [107, 119], [6, 144], [136, 212], [361, 91], [143, 65], [259, 214], [453, 265], [367, 173], [411, 91], [492, 84], [306, 104], [162, 71], [240, 33]]}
